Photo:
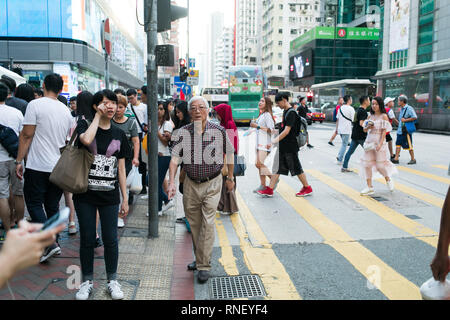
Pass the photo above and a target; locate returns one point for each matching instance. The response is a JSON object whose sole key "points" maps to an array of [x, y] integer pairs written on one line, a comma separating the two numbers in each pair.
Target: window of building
{"points": [[280, 43], [293, 31], [281, 7], [280, 31], [280, 67], [426, 29], [398, 59]]}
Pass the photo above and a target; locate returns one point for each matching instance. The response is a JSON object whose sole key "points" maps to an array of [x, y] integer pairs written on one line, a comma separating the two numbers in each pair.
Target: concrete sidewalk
{"points": [[145, 271]]}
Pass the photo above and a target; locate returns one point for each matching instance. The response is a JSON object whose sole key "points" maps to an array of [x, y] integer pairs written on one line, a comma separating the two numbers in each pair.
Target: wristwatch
{"points": [[17, 162], [258, 128], [230, 179]]}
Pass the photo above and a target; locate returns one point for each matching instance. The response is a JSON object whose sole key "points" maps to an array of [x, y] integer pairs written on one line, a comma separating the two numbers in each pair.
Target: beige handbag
{"points": [[71, 173]]}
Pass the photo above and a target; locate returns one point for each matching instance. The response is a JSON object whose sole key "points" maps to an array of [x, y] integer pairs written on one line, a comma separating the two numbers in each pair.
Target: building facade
{"points": [[65, 37], [248, 26], [283, 21], [224, 56], [416, 58], [215, 29]]}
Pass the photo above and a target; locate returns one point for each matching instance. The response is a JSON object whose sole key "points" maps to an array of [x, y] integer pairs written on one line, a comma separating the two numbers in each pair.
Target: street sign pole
{"points": [[151, 27]]}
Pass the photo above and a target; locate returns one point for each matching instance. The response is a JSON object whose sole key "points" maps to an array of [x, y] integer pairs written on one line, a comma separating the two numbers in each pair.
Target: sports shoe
{"points": [[331, 143], [391, 185], [344, 170], [266, 193], [85, 290], [144, 197], [160, 213], [49, 252], [310, 146], [120, 223], [305, 192], [395, 161], [72, 228], [168, 206], [98, 243], [260, 188], [114, 290], [412, 162], [367, 192], [338, 162]]}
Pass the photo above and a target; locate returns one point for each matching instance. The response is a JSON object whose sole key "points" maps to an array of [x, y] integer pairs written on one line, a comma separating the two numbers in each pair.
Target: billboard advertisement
{"points": [[301, 65], [399, 28]]}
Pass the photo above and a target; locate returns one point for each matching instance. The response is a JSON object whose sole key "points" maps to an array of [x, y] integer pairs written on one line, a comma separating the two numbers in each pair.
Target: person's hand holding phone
{"points": [[24, 246]]}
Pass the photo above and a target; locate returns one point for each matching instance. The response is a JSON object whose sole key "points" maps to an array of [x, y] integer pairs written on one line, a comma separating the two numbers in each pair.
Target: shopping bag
{"points": [[134, 181], [435, 290]]}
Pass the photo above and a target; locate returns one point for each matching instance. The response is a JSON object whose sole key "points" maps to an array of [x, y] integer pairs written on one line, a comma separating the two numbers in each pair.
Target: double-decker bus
{"points": [[215, 95], [246, 85]]}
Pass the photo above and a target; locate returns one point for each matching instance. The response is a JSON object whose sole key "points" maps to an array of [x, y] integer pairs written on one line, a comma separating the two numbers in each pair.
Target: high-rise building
{"points": [[65, 37], [224, 56], [248, 30], [282, 22], [415, 58], [215, 29]]}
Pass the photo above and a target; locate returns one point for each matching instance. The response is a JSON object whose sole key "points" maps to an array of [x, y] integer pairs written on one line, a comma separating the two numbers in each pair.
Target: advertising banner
{"points": [[301, 65], [399, 28]]}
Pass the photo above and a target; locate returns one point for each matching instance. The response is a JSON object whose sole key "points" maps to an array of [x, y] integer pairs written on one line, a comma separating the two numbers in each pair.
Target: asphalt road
{"points": [[336, 244]]}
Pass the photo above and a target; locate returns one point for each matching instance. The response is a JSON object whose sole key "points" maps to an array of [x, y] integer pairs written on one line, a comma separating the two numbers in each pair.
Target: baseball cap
{"points": [[387, 100]]}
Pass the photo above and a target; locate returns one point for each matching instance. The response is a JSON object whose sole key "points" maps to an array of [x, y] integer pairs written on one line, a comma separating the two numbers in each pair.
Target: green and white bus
{"points": [[246, 87]]}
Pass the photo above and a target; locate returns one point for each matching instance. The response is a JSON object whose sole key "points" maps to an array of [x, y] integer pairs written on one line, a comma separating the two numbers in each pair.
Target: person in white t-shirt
{"points": [[264, 125], [345, 117], [46, 126], [12, 118], [139, 111]]}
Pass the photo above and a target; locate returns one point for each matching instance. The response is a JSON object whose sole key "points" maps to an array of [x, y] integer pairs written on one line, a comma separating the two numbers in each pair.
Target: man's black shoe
{"points": [[331, 143], [309, 146], [203, 276], [192, 266], [412, 162], [395, 161]]}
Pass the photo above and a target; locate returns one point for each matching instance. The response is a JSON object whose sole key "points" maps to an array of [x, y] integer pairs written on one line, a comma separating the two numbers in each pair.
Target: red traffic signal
{"points": [[182, 62], [310, 96]]}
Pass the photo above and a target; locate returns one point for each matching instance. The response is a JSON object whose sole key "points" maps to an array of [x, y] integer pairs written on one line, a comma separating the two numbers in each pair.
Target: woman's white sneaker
{"points": [[85, 290], [120, 223], [391, 185], [368, 192], [114, 290], [168, 206]]}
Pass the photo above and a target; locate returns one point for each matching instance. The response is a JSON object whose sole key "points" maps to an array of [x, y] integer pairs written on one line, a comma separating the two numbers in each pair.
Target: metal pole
{"points": [[334, 40], [106, 71], [151, 26]]}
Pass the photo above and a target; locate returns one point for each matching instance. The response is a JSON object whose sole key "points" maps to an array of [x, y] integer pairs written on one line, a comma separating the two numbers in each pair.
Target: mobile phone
{"points": [[61, 217]]}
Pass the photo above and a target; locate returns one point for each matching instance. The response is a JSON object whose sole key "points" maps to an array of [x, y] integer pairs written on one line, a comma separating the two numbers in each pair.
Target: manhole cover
{"points": [[247, 286]]}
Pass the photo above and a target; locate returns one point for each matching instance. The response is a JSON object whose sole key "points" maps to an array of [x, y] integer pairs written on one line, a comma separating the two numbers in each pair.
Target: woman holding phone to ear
{"points": [[110, 147]]}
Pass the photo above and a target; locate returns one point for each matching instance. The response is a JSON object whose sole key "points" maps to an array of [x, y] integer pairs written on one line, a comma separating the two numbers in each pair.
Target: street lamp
{"points": [[335, 7]]}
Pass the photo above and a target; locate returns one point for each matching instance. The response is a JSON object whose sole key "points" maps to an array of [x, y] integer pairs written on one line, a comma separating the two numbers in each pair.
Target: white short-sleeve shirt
{"points": [[166, 127], [12, 118], [344, 125], [263, 139], [53, 122]]}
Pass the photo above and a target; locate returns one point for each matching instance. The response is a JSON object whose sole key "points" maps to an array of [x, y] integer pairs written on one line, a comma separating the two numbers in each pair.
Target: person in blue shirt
{"points": [[404, 137]]}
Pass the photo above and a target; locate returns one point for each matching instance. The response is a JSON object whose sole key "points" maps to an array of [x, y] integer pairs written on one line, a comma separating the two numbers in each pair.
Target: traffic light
{"points": [[310, 96], [183, 70], [167, 13]]}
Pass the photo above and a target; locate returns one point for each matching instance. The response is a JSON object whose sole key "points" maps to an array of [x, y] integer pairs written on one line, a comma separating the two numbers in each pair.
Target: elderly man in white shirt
{"points": [[345, 118]]}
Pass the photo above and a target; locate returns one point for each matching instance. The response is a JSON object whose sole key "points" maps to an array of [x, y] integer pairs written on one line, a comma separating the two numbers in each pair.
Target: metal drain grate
{"points": [[247, 286]]}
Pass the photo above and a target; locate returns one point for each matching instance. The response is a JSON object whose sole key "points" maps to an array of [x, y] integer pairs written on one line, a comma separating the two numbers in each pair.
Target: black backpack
{"points": [[301, 132], [9, 140]]}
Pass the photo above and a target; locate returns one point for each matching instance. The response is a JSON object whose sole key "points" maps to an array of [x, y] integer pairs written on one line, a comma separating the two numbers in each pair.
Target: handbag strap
{"points": [[340, 110], [137, 118]]}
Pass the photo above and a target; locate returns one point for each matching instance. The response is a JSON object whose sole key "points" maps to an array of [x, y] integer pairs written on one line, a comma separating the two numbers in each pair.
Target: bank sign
{"points": [[341, 33]]}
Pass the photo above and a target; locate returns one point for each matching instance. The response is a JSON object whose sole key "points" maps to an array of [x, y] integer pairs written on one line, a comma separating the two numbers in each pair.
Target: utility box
{"points": [[165, 55]]}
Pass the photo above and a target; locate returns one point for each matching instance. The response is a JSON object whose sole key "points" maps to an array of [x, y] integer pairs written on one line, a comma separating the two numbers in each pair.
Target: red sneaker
{"points": [[306, 191], [267, 192]]}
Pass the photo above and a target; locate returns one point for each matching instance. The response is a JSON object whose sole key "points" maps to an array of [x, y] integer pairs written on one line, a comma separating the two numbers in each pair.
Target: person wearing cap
{"points": [[404, 138], [390, 104]]}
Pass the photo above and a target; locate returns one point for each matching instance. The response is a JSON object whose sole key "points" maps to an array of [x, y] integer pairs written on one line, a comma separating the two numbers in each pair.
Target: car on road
{"points": [[315, 115]]}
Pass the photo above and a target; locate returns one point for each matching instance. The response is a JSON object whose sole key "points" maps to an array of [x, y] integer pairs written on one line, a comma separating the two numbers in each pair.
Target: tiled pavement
{"points": [[147, 268]]}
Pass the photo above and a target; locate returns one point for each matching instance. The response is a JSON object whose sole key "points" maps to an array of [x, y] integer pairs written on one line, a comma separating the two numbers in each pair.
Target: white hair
{"points": [[196, 98]]}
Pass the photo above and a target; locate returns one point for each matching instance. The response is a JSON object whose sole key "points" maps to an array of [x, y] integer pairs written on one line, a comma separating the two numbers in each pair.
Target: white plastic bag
{"points": [[134, 181], [435, 290]]}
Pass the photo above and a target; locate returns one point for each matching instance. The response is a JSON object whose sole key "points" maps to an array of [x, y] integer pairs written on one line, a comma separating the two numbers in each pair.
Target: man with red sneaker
{"points": [[286, 158]]}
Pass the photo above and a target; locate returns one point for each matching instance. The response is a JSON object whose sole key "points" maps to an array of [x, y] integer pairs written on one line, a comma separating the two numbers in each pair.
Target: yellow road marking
{"points": [[417, 230], [227, 260], [262, 261], [435, 201], [393, 285], [425, 175], [440, 167]]}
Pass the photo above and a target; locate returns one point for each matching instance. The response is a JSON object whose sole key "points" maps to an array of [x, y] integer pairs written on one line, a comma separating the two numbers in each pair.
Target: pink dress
{"points": [[377, 162]]}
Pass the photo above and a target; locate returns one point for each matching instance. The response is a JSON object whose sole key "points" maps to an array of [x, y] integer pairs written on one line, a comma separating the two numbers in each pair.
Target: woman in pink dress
{"points": [[376, 159]]}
